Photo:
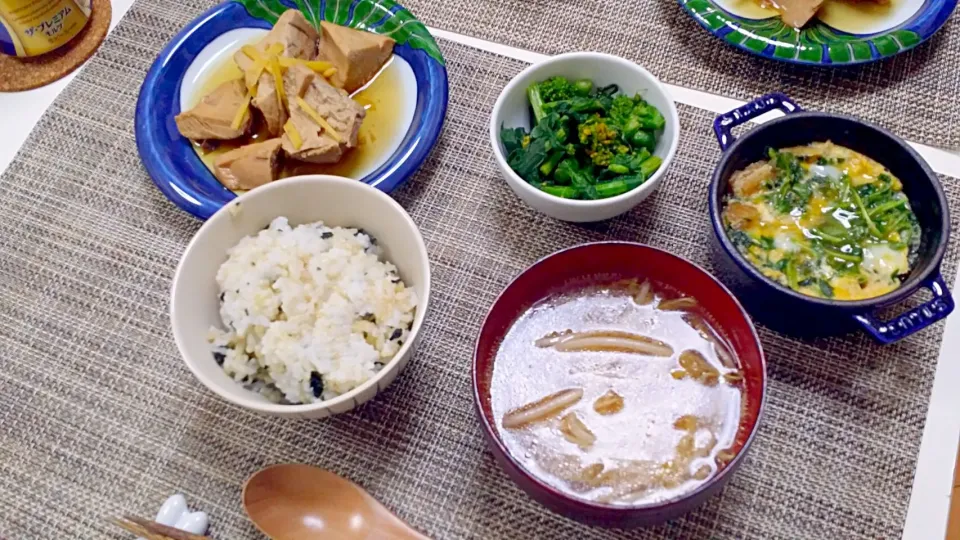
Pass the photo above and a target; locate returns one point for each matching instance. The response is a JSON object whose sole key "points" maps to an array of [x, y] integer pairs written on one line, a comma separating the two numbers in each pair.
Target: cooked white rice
{"points": [[311, 311]]}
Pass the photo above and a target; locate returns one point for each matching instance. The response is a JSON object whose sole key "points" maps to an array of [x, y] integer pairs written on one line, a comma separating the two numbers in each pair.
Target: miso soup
{"points": [[621, 394]]}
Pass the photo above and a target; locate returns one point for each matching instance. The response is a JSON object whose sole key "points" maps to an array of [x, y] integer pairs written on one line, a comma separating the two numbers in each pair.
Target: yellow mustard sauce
{"points": [[825, 221]]}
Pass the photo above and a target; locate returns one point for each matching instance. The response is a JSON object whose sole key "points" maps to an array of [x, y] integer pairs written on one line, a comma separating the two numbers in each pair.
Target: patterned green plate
{"points": [[844, 36]]}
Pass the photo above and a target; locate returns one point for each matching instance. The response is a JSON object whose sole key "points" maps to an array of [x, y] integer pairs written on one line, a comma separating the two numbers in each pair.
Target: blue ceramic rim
{"points": [[168, 157], [926, 276], [924, 23]]}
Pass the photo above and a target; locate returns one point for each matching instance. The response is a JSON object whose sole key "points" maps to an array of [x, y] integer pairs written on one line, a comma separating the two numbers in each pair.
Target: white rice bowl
{"points": [[310, 312]]}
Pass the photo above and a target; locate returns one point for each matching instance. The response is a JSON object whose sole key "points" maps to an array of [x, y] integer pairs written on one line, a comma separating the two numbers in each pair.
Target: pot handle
{"points": [[724, 123], [914, 320]]}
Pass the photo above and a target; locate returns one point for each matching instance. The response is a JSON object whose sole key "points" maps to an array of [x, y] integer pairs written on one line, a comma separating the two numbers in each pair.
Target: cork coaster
{"points": [[25, 73]]}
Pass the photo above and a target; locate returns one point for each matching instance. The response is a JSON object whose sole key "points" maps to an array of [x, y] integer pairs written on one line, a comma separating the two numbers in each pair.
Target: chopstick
{"points": [[152, 530]]}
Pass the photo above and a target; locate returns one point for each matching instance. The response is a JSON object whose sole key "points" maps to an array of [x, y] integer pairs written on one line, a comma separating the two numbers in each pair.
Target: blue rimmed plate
{"points": [[198, 49], [843, 33]]}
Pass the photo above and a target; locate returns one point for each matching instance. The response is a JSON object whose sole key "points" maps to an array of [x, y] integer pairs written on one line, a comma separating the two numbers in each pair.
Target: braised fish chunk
{"points": [[357, 55], [293, 31], [312, 145], [213, 117], [270, 105], [797, 13], [249, 166], [325, 119]]}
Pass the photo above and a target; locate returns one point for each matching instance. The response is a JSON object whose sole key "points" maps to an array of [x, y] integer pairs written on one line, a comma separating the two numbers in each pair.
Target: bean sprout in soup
{"points": [[620, 394]]}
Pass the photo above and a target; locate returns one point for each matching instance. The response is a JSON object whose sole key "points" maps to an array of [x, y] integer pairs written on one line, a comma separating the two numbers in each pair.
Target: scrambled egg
{"points": [[823, 220]]}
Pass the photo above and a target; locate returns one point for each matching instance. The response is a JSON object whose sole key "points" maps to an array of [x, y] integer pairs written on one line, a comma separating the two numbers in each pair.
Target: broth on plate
{"points": [[824, 220], [620, 394], [854, 16]]}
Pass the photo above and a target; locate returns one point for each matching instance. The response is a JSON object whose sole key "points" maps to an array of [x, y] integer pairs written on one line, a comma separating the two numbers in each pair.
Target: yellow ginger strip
{"points": [[241, 113], [274, 68], [294, 135], [257, 70], [259, 62], [319, 120], [330, 72], [252, 52], [316, 65]]}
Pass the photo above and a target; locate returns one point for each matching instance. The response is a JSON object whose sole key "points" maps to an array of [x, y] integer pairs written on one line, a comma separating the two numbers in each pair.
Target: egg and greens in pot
{"points": [[824, 220]]}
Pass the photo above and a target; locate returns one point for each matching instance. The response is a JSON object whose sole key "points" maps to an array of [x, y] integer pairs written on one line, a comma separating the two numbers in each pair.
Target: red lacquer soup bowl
{"points": [[599, 263]]}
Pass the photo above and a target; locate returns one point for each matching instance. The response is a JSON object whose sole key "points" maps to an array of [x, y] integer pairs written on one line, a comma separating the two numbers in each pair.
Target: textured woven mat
{"points": [[99, 416], [913, 94]]}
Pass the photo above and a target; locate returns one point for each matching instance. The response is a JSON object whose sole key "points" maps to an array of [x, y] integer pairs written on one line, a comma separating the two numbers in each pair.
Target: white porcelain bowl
{"points": [[513, 110], [194, 304]]}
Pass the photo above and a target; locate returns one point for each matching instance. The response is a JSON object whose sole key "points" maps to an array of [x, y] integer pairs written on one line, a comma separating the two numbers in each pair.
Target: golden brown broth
{"points": [[846, 15], [639, 455], [382, 98]]}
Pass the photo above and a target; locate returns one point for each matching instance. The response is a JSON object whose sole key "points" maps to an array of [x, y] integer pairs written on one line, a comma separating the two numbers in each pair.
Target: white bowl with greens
{"points": [[584, 136]]}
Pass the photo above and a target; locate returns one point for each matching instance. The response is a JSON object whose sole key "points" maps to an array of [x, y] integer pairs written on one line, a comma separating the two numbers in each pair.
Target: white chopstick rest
{"points": [[174, 513]]}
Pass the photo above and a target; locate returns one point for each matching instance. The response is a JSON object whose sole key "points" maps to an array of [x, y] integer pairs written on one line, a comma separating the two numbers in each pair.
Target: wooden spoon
{"points": [[302, 502]]}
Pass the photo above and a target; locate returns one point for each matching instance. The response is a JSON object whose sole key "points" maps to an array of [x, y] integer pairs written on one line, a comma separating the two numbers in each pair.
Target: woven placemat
{"points": [[913, 94], [99, 416], [18, 74]]}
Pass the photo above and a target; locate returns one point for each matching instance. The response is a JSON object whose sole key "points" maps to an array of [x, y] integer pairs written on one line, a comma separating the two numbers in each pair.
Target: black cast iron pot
{"points": [[788, 311]]}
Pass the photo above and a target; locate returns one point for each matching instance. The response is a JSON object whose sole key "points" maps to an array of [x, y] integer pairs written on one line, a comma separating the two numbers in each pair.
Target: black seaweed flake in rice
{"points": [[373, 240], [395, 280], [370, 317], [378, 366], [396, 334], [219, 357], [326, 234], [221, 296], [316, 384]]}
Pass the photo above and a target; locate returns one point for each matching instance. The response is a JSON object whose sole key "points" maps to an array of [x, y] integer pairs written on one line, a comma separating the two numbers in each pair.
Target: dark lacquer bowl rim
{"points": [[929, 265], [588, 507]]}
